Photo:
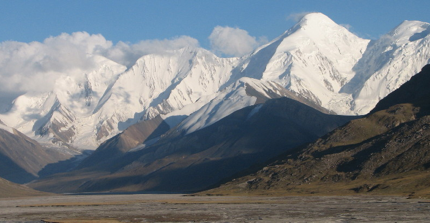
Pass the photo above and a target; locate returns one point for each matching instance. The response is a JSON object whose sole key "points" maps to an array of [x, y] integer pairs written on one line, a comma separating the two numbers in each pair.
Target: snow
{"points": [[388, 63], [231, 99], [192, 88], [6, 128], [144, 145], [254, 111]]}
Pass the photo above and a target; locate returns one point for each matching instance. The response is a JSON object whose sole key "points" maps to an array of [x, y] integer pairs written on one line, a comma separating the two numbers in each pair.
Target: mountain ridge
{"points": [[87, 108]]}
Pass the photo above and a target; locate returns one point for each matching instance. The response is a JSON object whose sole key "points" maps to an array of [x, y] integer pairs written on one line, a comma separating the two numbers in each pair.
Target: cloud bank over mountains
{"points": [[34, 67], [233, 41], [127, 54]]}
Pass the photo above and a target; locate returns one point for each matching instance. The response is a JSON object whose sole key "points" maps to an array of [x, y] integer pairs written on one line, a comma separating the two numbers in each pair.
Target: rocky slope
{"points": [[384, 152]]}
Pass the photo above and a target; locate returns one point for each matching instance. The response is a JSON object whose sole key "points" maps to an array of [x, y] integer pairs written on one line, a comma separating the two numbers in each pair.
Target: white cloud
{"points": [[346, 26], [297, 16], [127, 54], [35, 66], [233, 41]]}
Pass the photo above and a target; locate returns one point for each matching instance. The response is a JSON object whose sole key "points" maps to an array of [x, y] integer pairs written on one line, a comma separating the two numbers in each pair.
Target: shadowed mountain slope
{"points": [[385, 152], [21, 158], [183, 163], [132, 137]]}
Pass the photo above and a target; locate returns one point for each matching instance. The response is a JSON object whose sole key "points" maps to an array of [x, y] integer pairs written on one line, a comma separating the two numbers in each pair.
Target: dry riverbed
{"points": [[180, 208]]}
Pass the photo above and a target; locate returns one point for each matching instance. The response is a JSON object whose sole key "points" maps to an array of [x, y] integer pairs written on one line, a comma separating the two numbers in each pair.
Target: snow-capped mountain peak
{"points": [[317, 59], [315, 20]]}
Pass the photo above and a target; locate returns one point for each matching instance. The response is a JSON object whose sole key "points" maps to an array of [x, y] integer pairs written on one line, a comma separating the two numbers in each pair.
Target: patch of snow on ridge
{"points": [[254, 111], [243, 93], [228, 101]]}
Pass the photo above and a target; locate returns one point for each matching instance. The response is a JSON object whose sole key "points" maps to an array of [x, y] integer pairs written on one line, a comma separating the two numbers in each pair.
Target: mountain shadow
{"points": [[186, 163]]}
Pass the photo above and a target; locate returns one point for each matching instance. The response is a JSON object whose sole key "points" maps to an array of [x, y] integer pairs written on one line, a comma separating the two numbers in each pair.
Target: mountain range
{"points": [[316, 59], [176, 114]]}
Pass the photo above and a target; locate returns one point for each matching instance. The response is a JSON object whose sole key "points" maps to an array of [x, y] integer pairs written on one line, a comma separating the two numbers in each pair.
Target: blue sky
{"points": [[132, 20]]}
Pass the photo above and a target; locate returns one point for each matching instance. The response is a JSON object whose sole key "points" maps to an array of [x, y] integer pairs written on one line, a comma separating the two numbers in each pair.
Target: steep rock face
{"points": [[199, 159], [386, 152]]}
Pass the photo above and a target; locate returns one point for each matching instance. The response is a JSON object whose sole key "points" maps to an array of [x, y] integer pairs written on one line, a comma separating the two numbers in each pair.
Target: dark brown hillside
{"points": [[388, 151], [9, 189], [21, 158]]}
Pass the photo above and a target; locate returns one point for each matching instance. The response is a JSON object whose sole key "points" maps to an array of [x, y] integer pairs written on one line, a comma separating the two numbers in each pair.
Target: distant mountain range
{"points": [[316, 59], [182, 120]]}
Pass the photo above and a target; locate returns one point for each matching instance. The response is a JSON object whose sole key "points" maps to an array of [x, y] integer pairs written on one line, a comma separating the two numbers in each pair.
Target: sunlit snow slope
{"points": [[192, 88]]}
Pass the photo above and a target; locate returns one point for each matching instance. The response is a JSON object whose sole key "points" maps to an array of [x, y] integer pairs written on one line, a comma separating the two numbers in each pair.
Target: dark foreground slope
{"points": [[21, 158], [388, 151], [181, 163]]}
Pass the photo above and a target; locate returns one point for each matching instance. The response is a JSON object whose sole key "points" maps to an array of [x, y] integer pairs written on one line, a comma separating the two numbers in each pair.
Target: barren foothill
{"points": [[185, 208]]}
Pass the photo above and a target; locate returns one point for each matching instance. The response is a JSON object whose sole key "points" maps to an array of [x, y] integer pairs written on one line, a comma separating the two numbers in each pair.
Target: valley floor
{"points": [[180, 208]]}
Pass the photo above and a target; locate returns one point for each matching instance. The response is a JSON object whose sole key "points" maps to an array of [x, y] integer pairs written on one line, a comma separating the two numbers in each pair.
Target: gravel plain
{"points": [[183, 208]]}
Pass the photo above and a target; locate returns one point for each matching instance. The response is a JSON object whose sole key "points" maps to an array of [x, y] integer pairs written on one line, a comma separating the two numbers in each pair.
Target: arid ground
{"points": [[180, 208]]}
